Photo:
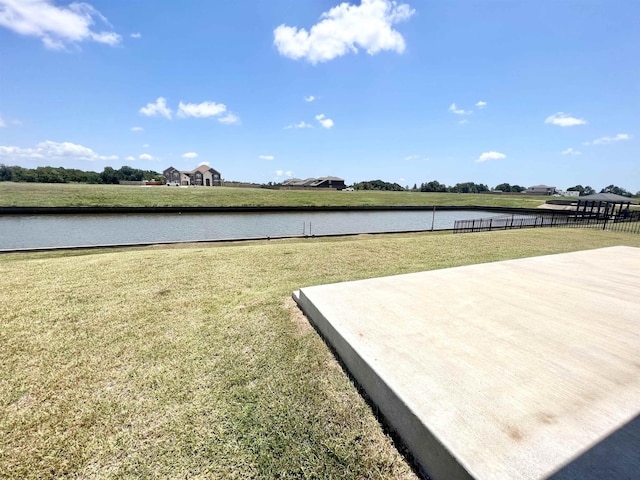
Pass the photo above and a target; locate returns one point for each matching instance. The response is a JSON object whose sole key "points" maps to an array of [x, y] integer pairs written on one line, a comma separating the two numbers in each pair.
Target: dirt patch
{"points": [[301, 322]]}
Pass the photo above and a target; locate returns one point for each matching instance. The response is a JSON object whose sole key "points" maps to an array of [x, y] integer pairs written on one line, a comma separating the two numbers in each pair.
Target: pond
{"points": [[50, 231]]}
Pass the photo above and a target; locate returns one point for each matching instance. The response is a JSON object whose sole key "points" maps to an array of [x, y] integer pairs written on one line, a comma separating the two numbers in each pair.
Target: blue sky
{"points": [[490, 91]]}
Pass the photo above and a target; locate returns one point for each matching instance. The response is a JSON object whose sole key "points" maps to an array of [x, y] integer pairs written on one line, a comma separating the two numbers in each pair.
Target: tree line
{"points": [[609, 189], [71, 175], [110, 175], [471, 187], [433, 186]]}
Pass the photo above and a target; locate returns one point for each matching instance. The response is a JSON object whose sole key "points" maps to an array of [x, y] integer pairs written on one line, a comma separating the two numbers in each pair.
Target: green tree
{"points": [[616, 190], [108, 175], [433, 186], [5, 173], [469, 187], [503, 187], [378, 185]]}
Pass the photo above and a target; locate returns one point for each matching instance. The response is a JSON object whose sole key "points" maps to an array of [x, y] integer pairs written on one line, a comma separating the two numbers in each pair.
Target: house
{"points": [[297, 182], [321, 182], [201, 176], [540, 190]]}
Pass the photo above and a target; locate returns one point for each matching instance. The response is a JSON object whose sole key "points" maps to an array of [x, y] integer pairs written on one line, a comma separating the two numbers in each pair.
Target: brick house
{"points": [[204, 176]]}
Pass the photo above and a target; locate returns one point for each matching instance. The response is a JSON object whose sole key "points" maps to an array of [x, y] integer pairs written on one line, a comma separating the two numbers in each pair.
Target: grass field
{"points": [[193, 362], [61, 195]]}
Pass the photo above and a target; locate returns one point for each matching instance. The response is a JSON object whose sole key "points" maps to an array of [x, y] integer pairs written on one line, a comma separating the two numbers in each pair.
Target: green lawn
{"points": [[59, 195], [192, 361]]}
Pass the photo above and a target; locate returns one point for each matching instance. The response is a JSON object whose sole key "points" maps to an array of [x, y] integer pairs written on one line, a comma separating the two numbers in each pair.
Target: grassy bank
{"points": [[193, 362], [62, 195]]}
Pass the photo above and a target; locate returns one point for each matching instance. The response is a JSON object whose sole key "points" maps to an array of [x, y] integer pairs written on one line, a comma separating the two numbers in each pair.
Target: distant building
{"points": [[540, 190], [571, 193], [202, 176], [322, 182]]}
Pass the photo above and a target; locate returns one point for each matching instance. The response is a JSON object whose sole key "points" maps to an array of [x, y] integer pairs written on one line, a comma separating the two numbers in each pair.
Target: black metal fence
{"points": [[627, 222]]}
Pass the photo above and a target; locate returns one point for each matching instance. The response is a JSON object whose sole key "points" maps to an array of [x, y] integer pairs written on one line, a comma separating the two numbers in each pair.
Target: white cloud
{"points": [[137, 129], [606, 140], [564, 120], [416, 157], [145, 156], [491, 156], [204, 163], [56, 26], [283, 173], [190, 155], [463, 121], [230, 119], [266, 157], [136, 35], [49, 150], [130, 158], [157, 108], [4, 123], [571, 151], [481, 104], [201, 110], [459, 111], [344, 29], [310, 98], [208, 109], [324, 121], [301, 124], [110, 38]]}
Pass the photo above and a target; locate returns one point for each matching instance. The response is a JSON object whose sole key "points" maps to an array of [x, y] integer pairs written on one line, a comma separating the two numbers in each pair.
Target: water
{"points": [[45, 231]]}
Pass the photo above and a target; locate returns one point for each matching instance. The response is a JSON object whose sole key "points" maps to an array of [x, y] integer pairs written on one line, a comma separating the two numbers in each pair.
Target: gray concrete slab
{"points": [[522, 369]]}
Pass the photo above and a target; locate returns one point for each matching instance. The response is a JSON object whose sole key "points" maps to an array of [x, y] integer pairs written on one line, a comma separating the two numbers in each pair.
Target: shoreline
{"points": [[95, 210]]}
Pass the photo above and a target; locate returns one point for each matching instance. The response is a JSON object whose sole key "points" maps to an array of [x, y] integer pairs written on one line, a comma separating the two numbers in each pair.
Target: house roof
{"points": [[312, 182], [201, 168], [608, 197], [298, 181], [540, 186], [333, 179]]}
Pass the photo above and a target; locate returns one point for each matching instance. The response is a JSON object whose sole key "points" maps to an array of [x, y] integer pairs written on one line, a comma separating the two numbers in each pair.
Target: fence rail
{"points": [[629, 222]]}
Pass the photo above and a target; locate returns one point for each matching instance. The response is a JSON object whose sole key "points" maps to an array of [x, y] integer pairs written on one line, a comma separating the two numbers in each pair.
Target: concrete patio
{"points": [[522, 369]]}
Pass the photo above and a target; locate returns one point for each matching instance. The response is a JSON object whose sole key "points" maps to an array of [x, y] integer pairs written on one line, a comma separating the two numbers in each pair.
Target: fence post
{"points": [[433, 217]]}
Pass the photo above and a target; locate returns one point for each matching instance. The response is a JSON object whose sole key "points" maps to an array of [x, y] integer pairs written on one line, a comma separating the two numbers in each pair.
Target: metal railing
{"points": [[629, 222]]}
